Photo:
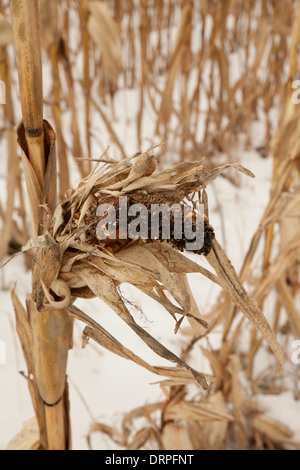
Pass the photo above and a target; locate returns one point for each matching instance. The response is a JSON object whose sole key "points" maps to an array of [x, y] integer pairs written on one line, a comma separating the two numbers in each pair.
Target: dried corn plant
{"points": [[73, 262]]}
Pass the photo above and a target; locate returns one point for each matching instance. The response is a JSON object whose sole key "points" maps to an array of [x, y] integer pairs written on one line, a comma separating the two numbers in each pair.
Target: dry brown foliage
{"points": [[198, 107]]}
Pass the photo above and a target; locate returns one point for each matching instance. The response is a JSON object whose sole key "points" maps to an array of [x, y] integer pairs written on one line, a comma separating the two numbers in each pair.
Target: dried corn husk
{"points": [[84, 268]]}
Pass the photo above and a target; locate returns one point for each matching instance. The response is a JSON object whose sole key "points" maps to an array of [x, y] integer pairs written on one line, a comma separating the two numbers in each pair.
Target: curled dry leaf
{"points": [[215, 172]]}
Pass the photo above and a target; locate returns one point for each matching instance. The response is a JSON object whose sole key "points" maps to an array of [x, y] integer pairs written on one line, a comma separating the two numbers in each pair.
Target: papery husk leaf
{"points": [[37, 196], [196, 321], [211, 175], [144, 166], [50, 264], [176, 262], [50, 180], [126, 274], [123, 271], [58, 218], [139, 255]]}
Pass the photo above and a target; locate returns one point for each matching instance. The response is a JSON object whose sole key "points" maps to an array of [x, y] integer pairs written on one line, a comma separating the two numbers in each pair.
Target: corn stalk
{"points": [[45, 335]]}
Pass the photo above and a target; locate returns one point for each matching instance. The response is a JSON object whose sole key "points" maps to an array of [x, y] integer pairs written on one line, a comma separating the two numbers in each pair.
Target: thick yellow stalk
{"points": [[50, 330], [25, 20]]}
